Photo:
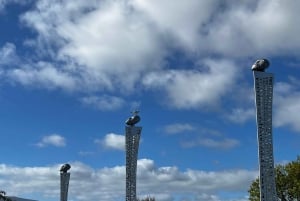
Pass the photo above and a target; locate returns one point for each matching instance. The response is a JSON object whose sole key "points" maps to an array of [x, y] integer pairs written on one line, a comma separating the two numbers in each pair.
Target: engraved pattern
{"points": [[263, 83], [64, 185], [132, 145]]}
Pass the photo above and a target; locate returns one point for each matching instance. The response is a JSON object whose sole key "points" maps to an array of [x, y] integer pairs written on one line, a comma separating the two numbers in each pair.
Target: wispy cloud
{"points": [[52, 140], [241, 115], [43, 75], [4, 3], [86, 153], [112, 141], [8, 53], [178, 128], [104, 102], [225, 143]]}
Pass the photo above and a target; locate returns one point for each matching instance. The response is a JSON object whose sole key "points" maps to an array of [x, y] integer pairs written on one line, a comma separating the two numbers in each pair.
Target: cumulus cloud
{"points": [[123, 46], [108, 184], [181, 20], [223, 27], [117, 45], [112, 141], [100, 37], [232, 36], [52, 140], [187, 89]]}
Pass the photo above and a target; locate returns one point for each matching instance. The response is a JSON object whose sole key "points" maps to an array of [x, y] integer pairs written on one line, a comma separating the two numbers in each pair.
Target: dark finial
{"points": [[260, 65], [134, 119], [64, 168]]}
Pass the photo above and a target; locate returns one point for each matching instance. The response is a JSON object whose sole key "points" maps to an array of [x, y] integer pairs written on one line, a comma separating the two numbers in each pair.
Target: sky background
{"points": [[72, 71]]}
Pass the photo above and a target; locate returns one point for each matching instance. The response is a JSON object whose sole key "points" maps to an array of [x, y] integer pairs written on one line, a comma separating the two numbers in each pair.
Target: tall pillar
{"points": [[263, 85], [133, 134], [64, 182]]}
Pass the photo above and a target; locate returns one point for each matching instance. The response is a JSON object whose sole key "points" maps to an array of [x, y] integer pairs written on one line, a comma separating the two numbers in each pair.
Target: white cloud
{"points": [[126, 45], [52, 140], [186, 89], [112, 141], [108, 184], [244, 29], [109, 44], [117, 45], [181, 20], [178, 128], [223, 28], [43, 75], [104, 102]]}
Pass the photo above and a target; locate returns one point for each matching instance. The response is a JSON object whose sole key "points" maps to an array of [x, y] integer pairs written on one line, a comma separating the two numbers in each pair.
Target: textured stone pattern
{"points": [[64, 185], [263, 98], [132, 145]]}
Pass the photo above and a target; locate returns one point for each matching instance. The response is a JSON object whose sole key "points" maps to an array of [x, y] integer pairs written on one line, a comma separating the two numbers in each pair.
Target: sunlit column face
{"points": [[132, 145], [263, 83], [64, 185]]}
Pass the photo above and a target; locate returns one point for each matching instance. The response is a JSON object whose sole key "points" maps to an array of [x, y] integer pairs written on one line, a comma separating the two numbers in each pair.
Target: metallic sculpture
{"points": [[65, 168], [263, 84], [131, 121], [64, 182], [260, 65], [133, 134]]}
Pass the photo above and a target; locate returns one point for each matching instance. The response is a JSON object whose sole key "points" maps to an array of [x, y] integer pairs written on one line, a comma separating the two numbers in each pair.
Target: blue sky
{"points": [[72, 71]]}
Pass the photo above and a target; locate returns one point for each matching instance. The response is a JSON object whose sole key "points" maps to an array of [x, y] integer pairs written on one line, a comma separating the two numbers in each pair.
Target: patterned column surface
{"points": [[64, 185], [132, 145], [263, 83]]}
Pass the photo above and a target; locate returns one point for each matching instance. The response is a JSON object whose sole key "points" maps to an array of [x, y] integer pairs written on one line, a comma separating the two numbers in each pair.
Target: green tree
{"points": [[293, 179], [287, 182], [254, 190]]}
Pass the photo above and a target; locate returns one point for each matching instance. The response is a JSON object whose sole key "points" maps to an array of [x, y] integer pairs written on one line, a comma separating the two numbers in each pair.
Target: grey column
{"points": [[64, 182], [132, 145], [263, 85]]}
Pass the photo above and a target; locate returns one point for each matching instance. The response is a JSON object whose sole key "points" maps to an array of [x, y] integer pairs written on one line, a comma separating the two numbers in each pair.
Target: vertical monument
{"points": [[133, 134], [64, 182], [263, 85]]}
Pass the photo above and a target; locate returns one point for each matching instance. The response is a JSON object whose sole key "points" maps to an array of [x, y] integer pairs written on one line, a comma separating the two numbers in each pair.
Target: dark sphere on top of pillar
{"points": [[260, 65], [134, 119], [64, 168]]}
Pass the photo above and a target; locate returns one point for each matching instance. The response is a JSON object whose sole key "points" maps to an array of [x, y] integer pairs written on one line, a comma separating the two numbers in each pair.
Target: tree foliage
{"points": [[254, 190], [287, 182]]}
